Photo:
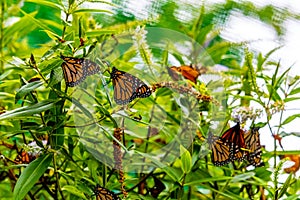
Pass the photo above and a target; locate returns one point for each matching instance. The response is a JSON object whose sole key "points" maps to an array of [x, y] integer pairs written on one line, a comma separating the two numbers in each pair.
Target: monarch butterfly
{"points": [[104, 194], [252, 143], [187, 72], [77, 69], [234, 137], [220, 150], [127, 87], [24, 157]]}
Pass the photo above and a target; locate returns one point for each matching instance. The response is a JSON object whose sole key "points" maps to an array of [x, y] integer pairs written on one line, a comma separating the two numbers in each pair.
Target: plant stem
{"points": [[57, 177], [1, 36]]}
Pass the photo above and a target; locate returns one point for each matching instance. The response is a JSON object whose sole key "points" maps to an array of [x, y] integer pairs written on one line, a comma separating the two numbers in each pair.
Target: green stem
{"points": [[65, 27], [57, 177], [148, 135], [1, 37]]}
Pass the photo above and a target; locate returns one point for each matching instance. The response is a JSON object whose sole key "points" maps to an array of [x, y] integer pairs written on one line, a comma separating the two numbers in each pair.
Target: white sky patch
{"points": [[242, 28], [291, 5], [139, 8]]}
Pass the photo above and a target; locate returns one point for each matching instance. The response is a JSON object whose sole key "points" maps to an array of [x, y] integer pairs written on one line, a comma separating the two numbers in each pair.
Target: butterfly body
{"points": [[127, 87], [77, 69]]}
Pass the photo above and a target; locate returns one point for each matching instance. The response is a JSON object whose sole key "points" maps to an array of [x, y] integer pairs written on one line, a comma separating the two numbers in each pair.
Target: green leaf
{"points": [[99, 32], [25, 89], [37, 22], [262, 59], [82, 108], [172, 173], [186, 160], [92, 11], [73, 190], [285, 186], [242, 177], [31, 175], [205, 180], [47, 3], [56, 116], [22, 27], [4, 95], [290, 118], [251, 98], [273, 94], [260, 62], [280, 79], [29, 110], [291, 99], [5, 74], [71, 2], [92, 163], [293, 197], [153, 159], [294, 91]]}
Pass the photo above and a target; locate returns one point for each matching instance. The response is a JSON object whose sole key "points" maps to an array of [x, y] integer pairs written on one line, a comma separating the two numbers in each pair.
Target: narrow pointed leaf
{"points": [[75, 191], [25, 89], [29, 110], [285, 186], [31, 175], [186, 160]]}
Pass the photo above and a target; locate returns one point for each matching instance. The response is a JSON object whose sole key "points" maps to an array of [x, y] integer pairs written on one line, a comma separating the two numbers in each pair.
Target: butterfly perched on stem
{"points": [[252, 143], [127, 87], [189, 72], [24, 157], [105, 194], [234, 137], [77, 69], [220, 150]]}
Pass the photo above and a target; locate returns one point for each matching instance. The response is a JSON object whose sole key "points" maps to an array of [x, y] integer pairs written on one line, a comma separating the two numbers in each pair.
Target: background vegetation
{"points": [[68, 131]]}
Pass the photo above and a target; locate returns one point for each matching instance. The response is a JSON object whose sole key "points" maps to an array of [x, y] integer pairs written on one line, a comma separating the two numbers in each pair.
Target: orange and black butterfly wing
{"points": [[90, 67], [104, 194], [123, 86], [220, 150], [234, 137], [187, 72], [24, 157], [77, 69], [252, 143], [128, 87], [73, 70]]}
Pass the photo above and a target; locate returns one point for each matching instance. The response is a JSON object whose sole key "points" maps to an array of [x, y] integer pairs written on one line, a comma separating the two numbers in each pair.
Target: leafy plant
{"points": [[60, 142]]}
